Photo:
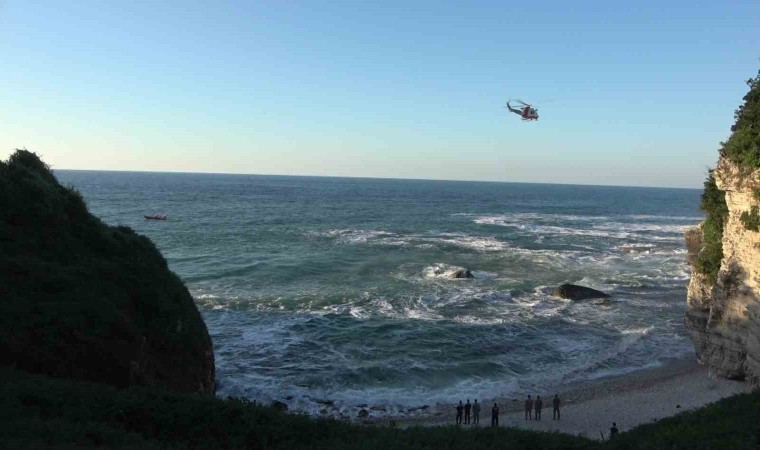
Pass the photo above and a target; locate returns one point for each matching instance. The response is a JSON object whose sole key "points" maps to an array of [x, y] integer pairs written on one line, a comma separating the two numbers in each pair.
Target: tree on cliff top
{"points": [[743, 147], [81, 299]]}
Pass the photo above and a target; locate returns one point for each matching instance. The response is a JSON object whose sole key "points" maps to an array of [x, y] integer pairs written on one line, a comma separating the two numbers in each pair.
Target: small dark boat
{"points": [[156, 217]]}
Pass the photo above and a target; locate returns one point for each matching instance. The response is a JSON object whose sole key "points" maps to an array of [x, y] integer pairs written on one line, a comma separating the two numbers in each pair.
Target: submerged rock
{"points": [[363, 413], [462, 273], [279, 406], [575, 292], [446, 271], [418, 408]]}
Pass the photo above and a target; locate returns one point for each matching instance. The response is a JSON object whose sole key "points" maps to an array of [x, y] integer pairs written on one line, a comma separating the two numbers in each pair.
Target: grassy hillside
{"points": [[41, 412], [84, 300]]}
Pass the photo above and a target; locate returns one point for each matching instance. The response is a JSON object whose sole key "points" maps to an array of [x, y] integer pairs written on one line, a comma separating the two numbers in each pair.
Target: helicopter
{"points": [[524, 110]]}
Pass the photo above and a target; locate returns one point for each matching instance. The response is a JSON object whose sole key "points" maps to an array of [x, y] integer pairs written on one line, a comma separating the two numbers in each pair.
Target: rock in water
{"points": [[363, 413], [80, 299], [462, 273], [575, 292], [279, 406]]}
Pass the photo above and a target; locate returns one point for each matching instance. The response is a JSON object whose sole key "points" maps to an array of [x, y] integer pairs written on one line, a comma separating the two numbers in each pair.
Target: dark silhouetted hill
{"points": [[80, 299]]}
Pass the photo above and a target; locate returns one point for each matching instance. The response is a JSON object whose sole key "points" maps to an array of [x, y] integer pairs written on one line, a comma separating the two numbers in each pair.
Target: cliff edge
{"points": [[80, 299], [723, 301]]}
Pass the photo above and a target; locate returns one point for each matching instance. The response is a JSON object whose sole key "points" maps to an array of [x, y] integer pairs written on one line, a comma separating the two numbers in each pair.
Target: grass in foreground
{"points": [[42, 412]]}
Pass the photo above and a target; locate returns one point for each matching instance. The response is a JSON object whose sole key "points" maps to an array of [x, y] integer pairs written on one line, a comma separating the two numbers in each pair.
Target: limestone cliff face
{"points": [[724, 319]]}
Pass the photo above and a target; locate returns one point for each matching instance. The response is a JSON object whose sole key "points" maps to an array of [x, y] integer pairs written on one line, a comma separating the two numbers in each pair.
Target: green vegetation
{"points": [[731, 423], [716, 213], [42, 412], [39, 412], [83, 300], [751, 219], [743, 147]]}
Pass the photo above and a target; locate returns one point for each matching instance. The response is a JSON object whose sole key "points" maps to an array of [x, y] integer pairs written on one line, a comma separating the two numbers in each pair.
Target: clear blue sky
{"points": [[630, 93]]}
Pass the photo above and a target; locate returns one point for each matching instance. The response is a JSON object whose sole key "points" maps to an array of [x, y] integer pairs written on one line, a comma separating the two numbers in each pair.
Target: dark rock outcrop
{"points": [[80, 299], [462, 273], [279, 406], [575, 292]]}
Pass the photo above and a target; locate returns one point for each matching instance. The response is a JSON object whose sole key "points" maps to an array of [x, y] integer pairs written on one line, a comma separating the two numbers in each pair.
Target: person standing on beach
{"points": [[529, 408], [459, 412], [537, 406], [613, 431], [555, 409], [476, 413], [495, 415], [467, 408]]}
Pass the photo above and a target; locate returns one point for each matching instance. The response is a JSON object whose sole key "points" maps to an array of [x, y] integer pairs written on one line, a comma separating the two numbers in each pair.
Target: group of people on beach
{"points": [[532, 410]]}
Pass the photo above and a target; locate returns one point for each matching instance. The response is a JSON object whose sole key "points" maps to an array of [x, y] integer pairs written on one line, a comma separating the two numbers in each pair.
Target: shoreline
{"points": [[587, 408]]}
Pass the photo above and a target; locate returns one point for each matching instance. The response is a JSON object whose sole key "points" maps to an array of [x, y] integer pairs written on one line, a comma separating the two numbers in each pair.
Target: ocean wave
{"points": [[446, 272], [351, 235], [694, 219], [587, 358], [551, 217], [422, 241], [590, 226], [672, 233]]}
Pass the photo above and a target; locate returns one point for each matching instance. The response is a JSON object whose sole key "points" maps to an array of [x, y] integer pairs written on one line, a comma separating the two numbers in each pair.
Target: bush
{"points": [[751, 219], [716, 213], [743, 147]]}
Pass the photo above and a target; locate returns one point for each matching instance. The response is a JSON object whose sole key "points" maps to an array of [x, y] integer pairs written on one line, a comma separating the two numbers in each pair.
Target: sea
{"points": [[338, 291]]}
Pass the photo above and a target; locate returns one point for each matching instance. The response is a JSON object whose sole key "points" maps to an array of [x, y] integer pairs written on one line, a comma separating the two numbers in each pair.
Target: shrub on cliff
{"points": [[84, 300], [716, 213], [751, 219], [743, 147]]}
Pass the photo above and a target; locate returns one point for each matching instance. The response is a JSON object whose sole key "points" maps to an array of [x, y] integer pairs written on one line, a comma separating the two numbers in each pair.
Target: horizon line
{"points": [[368, 178]]}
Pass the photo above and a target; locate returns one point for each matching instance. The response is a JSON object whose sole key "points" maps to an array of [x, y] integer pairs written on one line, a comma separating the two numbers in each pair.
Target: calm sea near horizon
{"points": [[336, 289]]}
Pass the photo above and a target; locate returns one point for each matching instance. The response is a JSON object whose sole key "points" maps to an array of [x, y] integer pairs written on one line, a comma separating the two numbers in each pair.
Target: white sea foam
{"points": [[646, 255], [352, 235], [417, 240], [591, 226]]}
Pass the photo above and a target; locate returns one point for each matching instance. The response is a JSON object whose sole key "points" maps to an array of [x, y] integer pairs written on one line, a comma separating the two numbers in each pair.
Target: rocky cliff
{"points": [[724, 318], [84, 300]]}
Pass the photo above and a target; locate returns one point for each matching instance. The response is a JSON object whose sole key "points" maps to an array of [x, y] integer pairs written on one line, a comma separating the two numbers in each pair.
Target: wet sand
{"points": [[628, 400]]}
